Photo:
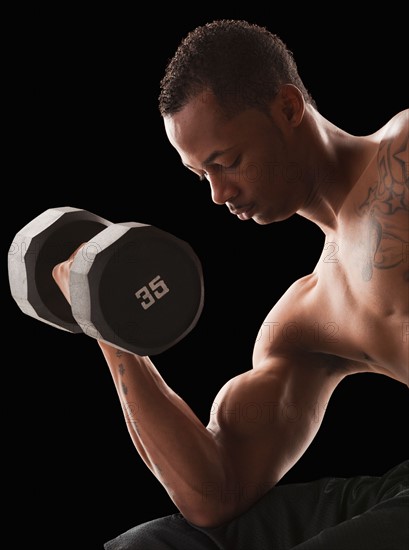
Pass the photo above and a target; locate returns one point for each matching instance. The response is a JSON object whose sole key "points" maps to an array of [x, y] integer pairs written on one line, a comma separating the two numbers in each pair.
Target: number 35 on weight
{"points": [[152, 292]]}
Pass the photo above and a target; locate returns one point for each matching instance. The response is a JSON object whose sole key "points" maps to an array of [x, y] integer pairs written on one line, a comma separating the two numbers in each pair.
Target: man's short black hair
{"points": [[242, 64]]}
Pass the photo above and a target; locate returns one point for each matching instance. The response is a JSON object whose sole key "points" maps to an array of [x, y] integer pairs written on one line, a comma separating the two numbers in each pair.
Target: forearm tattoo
{"points": [[121, 370], [387, 205], [129, 408]]}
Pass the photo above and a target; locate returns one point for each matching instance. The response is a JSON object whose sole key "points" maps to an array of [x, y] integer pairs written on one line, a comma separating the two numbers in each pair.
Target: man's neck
{"points": [[334, 162]]}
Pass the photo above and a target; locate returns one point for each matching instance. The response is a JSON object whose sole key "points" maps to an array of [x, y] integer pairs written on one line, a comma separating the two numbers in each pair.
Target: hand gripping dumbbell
{"points": [[132, 285]]}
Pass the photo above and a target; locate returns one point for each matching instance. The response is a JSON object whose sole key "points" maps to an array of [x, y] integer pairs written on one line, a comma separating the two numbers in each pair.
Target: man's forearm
{"points": [[172, 441]]}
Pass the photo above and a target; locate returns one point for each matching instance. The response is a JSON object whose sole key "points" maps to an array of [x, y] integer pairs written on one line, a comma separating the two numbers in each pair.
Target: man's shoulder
{"points": [[397, 127], [297, 296], [295, 314], [302, 326], [393, 156]]}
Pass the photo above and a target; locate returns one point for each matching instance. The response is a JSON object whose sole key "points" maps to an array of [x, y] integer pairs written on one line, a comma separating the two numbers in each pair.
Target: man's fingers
{"points": [[61, 273]]}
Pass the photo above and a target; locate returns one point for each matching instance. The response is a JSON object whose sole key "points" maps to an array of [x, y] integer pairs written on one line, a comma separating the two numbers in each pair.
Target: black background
{"points": [[85, 131]]}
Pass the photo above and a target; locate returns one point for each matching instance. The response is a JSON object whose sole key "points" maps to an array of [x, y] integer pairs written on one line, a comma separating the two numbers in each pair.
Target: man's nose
{"points": [[221, 189]]}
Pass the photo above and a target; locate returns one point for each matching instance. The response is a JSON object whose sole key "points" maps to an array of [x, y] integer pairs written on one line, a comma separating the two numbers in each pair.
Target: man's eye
{"points": [[215, 168], [235, 164]]}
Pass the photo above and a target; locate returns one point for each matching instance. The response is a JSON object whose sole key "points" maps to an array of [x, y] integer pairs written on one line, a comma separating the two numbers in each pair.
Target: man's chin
{"points": [[259, 219]]}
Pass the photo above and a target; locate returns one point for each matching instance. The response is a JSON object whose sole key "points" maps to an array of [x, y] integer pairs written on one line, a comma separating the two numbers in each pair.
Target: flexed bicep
{"points": [[263, 420]]}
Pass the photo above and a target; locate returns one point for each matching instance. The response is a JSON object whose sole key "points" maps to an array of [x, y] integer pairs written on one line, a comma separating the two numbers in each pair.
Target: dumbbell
{"points": [[132, 285]]}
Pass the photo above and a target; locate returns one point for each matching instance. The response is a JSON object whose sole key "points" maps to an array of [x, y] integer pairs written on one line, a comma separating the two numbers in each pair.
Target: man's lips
{"points": [[243, 213]]}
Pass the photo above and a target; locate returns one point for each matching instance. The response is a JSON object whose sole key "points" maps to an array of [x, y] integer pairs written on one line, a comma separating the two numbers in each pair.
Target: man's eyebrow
{"points": [[211, 158]]}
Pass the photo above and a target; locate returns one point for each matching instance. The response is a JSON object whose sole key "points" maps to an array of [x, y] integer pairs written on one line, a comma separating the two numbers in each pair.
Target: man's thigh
{"points": [[290, 515]]}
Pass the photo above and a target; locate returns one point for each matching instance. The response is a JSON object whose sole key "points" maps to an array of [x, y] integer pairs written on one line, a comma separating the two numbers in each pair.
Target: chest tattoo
{"points": [[386, 208]]}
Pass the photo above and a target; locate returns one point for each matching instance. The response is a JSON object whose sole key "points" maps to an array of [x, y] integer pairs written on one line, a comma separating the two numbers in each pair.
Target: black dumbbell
{"points": [[132, 285]]}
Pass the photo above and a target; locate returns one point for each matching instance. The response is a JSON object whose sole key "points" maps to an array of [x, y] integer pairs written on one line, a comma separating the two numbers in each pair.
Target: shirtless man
{"points": [[239, 116]]}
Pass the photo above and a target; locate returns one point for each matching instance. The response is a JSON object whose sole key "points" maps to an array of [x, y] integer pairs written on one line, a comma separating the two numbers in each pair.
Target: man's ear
{"points": [[289, 105]]}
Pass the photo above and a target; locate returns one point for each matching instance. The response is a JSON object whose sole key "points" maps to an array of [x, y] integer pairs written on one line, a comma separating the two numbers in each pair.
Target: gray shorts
{"points": [[356, 513]]}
